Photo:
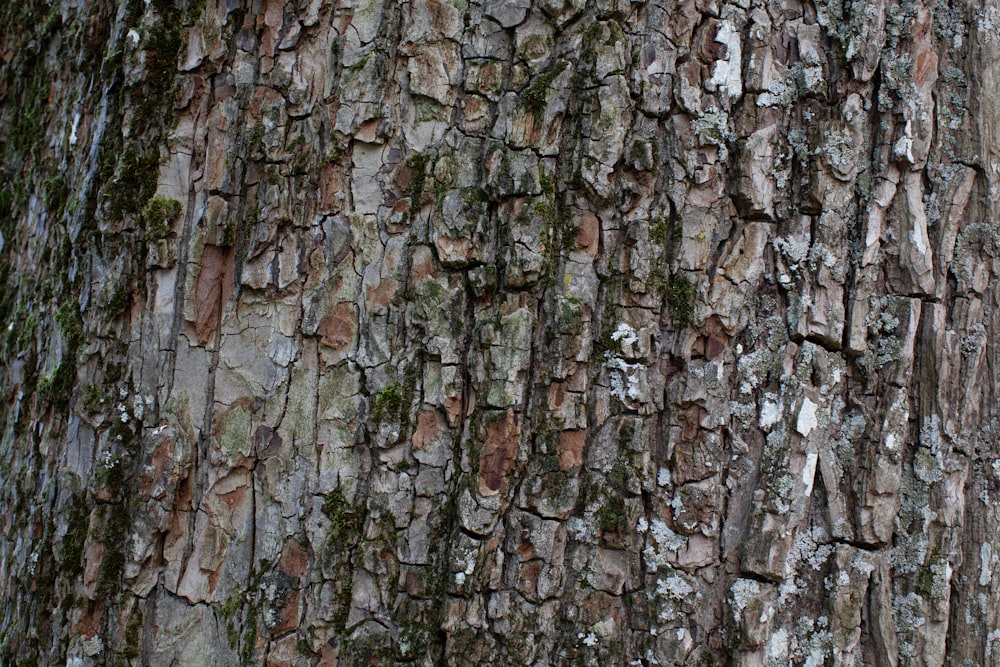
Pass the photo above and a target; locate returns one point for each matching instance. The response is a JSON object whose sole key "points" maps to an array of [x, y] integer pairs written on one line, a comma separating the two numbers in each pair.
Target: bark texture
{"points": [[527, 332]]}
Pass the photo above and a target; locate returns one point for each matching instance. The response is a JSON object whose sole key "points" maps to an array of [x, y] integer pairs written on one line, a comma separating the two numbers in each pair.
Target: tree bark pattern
{"points": [[540, 332]]}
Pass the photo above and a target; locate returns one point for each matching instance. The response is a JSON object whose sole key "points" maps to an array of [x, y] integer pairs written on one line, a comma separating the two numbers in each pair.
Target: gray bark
{"points": [[520, 333]]}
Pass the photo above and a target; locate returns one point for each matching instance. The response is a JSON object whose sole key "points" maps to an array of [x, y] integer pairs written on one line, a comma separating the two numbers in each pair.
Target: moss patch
{"points": [[391, 403], [417, 164], [347, 524], [158, 217], [680, 300], [536, 94]]}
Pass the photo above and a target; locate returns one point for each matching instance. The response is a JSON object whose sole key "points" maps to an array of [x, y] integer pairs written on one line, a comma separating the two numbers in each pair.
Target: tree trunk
{"points": [[500, 333]]}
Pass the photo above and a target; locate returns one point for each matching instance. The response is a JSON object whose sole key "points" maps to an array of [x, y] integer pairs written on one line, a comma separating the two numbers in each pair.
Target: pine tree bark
{"points": [[515, 333]]}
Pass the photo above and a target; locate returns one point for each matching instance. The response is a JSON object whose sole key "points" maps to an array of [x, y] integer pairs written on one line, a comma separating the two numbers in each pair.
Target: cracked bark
{"points": [[500, 333]]}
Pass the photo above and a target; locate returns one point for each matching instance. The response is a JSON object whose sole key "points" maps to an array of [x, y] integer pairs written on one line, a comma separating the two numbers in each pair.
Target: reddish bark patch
{"points": [[694, 460], [294, 558], [453, 408], [288, 617], [427, 429], [331, 186], [90, 621], [271, 19], [423, 268], [92, 568], [381, 294], [499, 454], [454, 251], [182, 500], [414, 584], [925, 67], [925, 61], [530, 573], [213, 578], [439, 17], [368, 131], [557, 394], [717, 339], [328, 655], [588, 235], [526, 550], [336, 330], [234, 498], [691, 419], [263, 96], [160, 465], [215, 285], [570, 449]]}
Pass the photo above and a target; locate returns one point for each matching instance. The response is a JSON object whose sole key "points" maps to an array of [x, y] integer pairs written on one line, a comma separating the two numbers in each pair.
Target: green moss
{"points": [[545, 212], [230, 606], [71, 550], [69, 320], [611, 517], [56, 193], [333, 154], [229, 231], [347, 524], [391, 403], [300, 165], [162, 42], [235, 431], [622, 476], [254, 141], [658, 230], [133, 181], [346, 520], [249, 640], [52, 21], [28, 327], [680, 300], [535, 95], [115, 521], [569, 316], [194, 11], [129, 649], [56, 386], [547, 184], [159, 215], [120, 299], [417, 163]]}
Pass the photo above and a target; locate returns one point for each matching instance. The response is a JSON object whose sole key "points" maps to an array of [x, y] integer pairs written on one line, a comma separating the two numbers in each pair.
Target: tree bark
{"points": [[506, 332]]}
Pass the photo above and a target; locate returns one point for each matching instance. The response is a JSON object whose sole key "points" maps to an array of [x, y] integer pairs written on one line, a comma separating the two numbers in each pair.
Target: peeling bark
{"points": [[524, 333]]}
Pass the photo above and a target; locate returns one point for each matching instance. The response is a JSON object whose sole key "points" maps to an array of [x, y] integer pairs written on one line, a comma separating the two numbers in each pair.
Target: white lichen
{"points": [[770, 412], [727, 74], [742, 592], [777, 645], [625, 335], [72, 129], [626, 379], [809, 472], [674, 587], [661, 543], [986, 563], [807, 420]]}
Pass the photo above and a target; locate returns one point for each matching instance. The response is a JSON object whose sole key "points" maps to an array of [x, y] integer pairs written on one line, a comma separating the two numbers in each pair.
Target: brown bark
{"points": [[521, 333]]}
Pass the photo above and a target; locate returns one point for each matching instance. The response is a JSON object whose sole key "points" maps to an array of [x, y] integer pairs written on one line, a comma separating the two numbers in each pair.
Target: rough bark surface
{"points": [[528, 332]]}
